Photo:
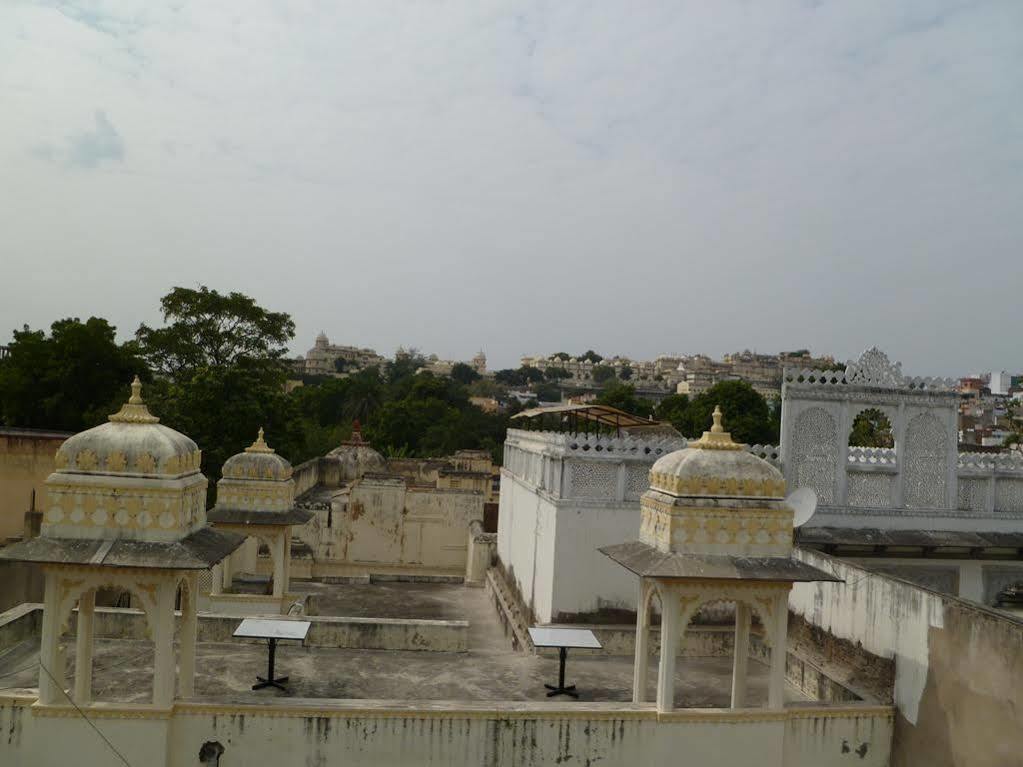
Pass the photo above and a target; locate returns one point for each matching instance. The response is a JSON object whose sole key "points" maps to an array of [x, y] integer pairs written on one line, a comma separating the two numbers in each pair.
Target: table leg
{"points": [[561, 689], [270, 681]]}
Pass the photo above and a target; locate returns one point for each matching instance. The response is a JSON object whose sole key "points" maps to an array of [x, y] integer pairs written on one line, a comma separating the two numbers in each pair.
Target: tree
{"points": [[208, 329], [509, 377], [871, 428], [672, 409], [68, 381], [546, 392], [222, 359], [747, 414], [340, 365], [563, 356], [592, 356], [531, 374], [623, 396], [602, 373], [464, 374], [625, 373], [556, 373]]}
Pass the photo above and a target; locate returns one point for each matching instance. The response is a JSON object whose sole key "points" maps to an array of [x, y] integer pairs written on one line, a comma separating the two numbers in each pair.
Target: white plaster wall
{"points": [[887, 617], [525, 544], [358, 733], [584, 579]]}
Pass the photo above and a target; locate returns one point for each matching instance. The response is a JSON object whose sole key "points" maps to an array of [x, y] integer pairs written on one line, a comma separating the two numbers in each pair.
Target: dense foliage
{"points": [[216, 370]]}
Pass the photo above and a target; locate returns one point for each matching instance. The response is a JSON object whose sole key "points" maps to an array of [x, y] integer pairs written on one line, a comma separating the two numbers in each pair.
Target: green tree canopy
{"points": [[556, 373], [626, 372], [871, 428], [205, 328], [747, 414], [602, 373], [464, 374], [592, 356], [672, 409], [68, 381], [623, 396], [223, 372]]}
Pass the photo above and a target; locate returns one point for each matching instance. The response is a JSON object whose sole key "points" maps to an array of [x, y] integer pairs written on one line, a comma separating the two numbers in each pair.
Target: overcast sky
{"points": [[636, 177]]}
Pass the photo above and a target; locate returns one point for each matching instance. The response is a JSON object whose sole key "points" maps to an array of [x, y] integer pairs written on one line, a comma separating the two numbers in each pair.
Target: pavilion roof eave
{"points": [[649, 562], [256, 518], [198, 551]]}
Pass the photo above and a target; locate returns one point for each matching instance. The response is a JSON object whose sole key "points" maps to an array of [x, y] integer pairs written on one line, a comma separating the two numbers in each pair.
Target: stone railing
{"points": [[988, 462], [597, 444], [838, 378], [871, 456], [770, 453]]}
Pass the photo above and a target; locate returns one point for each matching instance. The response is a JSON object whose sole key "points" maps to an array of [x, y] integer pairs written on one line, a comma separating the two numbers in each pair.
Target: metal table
{"points": [[272, 630], [563, 639]]}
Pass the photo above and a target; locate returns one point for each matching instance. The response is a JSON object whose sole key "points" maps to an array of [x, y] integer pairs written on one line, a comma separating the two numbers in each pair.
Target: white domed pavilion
{"points": [[715, 527], [126, 509]]}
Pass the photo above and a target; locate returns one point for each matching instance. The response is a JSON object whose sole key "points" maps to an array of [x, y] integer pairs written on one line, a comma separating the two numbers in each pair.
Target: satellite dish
{"points": [[804, 502]]}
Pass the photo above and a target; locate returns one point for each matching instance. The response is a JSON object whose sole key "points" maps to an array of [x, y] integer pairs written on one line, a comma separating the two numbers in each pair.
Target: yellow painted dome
{"points": [[257, 462], [716, 466], [133, 442]]}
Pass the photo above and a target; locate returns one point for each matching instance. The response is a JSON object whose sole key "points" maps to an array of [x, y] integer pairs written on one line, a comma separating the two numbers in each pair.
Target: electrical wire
{"points": [[81, 713]]}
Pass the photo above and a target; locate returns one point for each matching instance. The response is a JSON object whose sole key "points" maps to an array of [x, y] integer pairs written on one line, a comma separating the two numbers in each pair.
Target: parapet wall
{"points": [[958, 665], [435, 733], [23, 623]]}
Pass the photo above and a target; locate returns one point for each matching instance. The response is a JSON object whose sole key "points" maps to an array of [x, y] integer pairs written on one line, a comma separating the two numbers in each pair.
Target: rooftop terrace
{"points": [[491, 670]]}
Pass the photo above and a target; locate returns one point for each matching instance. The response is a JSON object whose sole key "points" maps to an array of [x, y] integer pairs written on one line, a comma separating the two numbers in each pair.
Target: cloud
{"points": [[88, 148], [531, 176]]}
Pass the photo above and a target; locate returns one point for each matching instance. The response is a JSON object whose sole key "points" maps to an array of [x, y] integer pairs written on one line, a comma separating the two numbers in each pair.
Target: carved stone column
{"points": [[187, 637], [163, 637], [642, 649], [49, 648], [740, 659], [83, 647], [669, 649], [779, 646]]}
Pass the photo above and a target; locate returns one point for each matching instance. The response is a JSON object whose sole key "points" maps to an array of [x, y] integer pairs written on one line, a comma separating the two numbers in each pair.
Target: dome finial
{"points": [[136, 391], [259, 446], [134, 410], [717, 438], [717, 428]]}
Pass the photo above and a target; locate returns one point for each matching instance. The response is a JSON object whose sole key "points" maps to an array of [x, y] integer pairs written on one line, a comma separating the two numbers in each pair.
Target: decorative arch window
{"points": [[871, 428]]}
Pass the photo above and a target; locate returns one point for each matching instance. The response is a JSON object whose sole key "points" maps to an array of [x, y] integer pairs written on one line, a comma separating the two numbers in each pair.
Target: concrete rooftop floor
{"points": [[490, 671]]}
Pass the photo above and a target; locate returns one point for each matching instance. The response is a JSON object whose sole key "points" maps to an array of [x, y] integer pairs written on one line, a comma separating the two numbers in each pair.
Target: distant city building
{"points": [[441, 367], [327, 359], [684, 374]]}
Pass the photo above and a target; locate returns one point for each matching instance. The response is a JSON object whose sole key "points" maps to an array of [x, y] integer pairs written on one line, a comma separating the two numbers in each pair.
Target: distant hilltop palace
{"points": [[327, 359], [687, 374]]}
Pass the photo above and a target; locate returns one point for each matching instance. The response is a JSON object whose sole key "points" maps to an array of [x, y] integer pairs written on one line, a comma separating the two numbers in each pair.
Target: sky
{"points": [[637, 177]]}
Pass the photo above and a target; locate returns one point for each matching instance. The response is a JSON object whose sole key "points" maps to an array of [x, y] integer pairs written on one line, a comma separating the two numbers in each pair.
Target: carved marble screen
{"points": [[925, 469], [813, 455]]}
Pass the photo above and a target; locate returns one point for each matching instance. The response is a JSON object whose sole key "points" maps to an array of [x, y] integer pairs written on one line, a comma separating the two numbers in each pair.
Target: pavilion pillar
{"points": [[740, 659], [50, 690], [225, 569], [779, 646], [83, 647], [187, 637], [669, 649], [217, 581], [639, 685], [163, 636], [277, 550]]}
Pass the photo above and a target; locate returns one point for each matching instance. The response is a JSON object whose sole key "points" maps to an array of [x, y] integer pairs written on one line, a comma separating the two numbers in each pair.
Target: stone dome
{"points": [[259, 461], [716, 466], [132, 443], [356, 456]]}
